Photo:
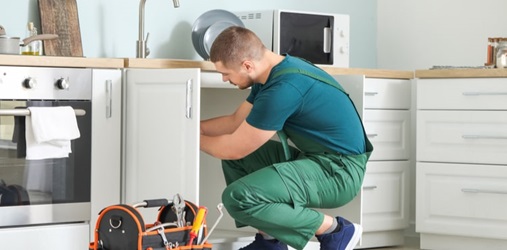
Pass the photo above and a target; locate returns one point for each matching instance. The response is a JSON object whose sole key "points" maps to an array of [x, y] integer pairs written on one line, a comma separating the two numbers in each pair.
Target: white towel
{"points": [[49, 131]]}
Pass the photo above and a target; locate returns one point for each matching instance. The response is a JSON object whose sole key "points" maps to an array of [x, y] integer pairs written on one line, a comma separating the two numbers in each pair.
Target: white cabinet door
{"points": [[462, 136], [462, 94], [387, 93], [106, 141], [385, 196], [389, 132], [462, 199], [162, 135]]}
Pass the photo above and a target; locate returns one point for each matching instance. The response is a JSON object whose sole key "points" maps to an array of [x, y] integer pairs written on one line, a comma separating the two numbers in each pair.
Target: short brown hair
{"points": [[235, 45]]}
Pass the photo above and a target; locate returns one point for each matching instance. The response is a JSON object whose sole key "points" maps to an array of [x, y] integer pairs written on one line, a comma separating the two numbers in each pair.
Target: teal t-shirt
{"points": [[308, 107]]}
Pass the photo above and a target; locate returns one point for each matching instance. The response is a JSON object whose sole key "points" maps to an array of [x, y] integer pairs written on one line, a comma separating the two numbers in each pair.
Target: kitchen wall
{"points": [[417, 34], [110, 28]]}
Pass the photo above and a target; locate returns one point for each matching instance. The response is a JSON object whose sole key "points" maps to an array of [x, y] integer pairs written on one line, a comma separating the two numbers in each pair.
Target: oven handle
{"points": [[26, 112]]}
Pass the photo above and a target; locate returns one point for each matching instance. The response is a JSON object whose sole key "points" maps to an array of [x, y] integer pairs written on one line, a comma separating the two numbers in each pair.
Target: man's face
{"points": [[238, 77]]}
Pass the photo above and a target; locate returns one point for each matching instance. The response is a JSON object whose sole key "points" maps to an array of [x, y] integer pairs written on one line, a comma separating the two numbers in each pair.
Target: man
{"points": [[272, 186]]}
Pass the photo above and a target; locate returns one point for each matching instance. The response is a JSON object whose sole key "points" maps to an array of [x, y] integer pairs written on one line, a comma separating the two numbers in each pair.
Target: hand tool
{"points": [[219, 208], [178, 208], [199, 218]]}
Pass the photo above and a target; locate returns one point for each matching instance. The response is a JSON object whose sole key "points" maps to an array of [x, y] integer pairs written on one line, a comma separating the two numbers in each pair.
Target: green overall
{"points": [[274, 188]]}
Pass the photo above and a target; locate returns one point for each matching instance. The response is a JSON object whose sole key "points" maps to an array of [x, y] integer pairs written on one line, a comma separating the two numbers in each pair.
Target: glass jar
{"points": [[501, 54]]}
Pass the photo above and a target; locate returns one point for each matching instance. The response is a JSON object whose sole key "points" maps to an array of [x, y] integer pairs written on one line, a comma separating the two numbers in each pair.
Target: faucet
{"points": [[142, 49]]}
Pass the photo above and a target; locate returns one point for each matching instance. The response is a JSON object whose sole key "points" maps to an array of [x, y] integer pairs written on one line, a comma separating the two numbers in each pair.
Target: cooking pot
{"points": [[11, 45]]}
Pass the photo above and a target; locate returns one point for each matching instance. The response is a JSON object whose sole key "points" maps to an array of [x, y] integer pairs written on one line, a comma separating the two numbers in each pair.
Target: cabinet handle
{"points": [[189, 99], [109, 98], [371, 135], [483, 93], [369, 187], [478, 191], [483, 137], [370, 93]]}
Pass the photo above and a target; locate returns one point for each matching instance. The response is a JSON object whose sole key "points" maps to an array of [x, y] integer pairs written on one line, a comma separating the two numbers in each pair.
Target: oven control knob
{"points": [[62, 83], [29, 83]]}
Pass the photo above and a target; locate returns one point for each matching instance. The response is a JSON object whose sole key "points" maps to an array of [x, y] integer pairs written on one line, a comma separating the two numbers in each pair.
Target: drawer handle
{"points": [[479, 191], [371, 135], [369, 187], [483, 137], [370, 93], [483, 93]]}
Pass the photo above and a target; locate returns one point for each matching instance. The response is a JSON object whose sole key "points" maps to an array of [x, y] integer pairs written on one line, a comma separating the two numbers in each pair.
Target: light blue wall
{"points": [[109, 28]]}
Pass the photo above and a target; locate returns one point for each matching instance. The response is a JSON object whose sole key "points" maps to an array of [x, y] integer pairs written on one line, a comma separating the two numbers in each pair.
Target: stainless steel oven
{"points": [[47, 191]]}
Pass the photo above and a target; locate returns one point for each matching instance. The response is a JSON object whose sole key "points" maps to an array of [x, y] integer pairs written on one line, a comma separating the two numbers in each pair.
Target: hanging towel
{"points": [[49, 131]]}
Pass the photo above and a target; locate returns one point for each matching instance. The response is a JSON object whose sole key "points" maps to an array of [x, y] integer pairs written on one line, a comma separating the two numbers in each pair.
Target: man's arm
{"points": [[231, 137], [226, 124], [237, 145]]}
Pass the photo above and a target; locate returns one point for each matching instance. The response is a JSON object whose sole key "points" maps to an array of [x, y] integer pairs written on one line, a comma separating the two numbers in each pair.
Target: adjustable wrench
{"points": [[178, 208]]}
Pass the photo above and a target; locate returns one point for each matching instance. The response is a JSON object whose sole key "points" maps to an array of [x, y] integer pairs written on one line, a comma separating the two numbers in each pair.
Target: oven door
{"points": [[43, 191]]}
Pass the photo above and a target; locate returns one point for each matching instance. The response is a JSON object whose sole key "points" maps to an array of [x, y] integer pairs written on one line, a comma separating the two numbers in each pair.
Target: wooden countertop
{"points": [[370, 73], [55, 61], [83, 62], [460, 73], [208, 66], [168, 63]]}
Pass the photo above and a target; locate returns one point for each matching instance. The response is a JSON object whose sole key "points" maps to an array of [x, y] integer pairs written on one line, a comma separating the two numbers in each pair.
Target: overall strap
{"points": [[310, 74]]}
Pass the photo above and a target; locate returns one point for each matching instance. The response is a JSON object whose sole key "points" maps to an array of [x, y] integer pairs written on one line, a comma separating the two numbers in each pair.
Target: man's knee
{"points": [[236, 197]]}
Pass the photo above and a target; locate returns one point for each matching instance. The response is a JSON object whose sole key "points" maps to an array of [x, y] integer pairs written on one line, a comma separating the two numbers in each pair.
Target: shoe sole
{"points": [[358, 231]]}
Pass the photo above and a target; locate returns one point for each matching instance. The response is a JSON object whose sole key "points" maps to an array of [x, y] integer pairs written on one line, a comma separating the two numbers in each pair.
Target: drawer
{"points": [[387, 93], [462, 94], [389, 132], [461, 199], [46, 237], [462, 136], [374, 93], [385, 196]]}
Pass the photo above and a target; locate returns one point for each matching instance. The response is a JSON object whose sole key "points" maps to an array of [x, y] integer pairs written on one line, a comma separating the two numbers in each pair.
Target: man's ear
{"points": [[248, 65]]}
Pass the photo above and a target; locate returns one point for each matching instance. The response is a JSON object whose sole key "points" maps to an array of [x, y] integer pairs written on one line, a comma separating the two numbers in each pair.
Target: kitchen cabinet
{"points": [[161, 138], [106, 140], [461, 169], [382, 206]]}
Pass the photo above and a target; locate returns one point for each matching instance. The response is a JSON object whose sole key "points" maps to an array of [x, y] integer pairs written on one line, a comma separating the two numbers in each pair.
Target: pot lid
{"points": [[202, 42], [3, 35]]}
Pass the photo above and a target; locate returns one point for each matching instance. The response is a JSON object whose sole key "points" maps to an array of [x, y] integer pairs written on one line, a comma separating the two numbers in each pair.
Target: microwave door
{"points": [[307, 36]]}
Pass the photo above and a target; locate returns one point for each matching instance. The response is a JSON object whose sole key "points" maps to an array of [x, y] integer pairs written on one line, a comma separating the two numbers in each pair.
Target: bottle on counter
{"points": [[490, 52], [34, 48]]}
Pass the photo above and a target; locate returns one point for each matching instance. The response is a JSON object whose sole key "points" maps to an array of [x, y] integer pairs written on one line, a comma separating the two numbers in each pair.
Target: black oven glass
{"points": [[302, 35], [47, 181]]}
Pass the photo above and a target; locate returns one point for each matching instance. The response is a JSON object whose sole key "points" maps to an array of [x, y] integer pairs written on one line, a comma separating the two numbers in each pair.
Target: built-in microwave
{"points": [[320, 38]]}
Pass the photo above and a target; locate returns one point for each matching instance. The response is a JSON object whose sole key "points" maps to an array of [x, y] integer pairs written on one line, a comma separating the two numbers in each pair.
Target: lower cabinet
{"points": [[461, 169], [106, 141], [382, 206], [161, 138]]}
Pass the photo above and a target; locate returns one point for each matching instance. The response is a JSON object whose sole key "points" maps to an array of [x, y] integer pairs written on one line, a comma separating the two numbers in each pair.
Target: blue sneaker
{"points": [[262, 244], [345, 239]]}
